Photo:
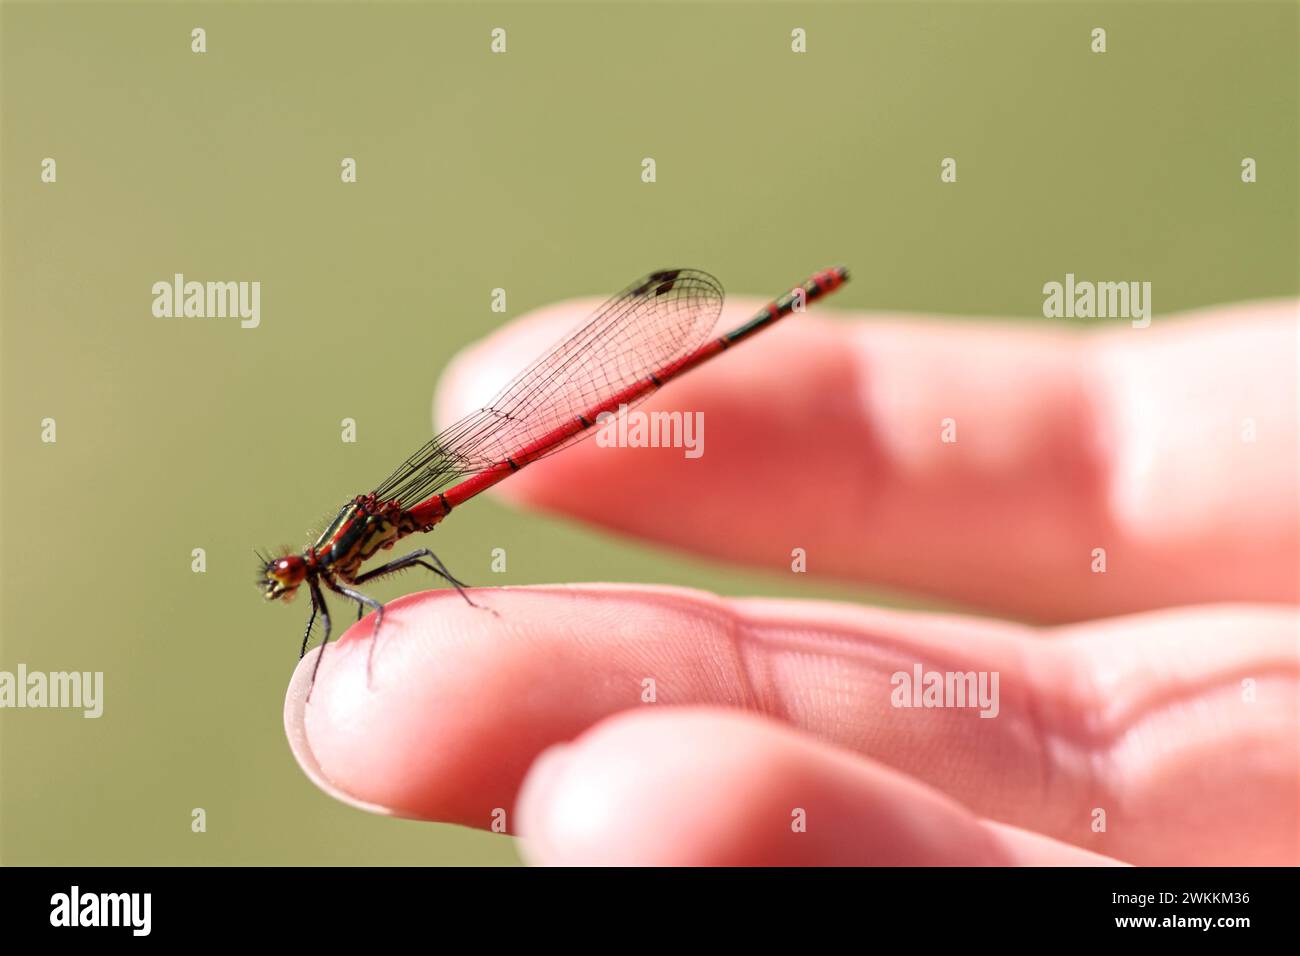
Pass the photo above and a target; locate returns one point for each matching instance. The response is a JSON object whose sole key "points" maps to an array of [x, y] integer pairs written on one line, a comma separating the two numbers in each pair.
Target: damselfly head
{"points": [[281, 577]]}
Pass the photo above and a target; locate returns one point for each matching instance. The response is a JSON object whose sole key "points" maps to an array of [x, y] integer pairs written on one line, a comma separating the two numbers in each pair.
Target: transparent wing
{"points": [[646, 327]]}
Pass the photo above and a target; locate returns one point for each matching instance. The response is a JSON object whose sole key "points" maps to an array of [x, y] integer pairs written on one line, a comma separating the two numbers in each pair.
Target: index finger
{"points": [[1048, 472]]}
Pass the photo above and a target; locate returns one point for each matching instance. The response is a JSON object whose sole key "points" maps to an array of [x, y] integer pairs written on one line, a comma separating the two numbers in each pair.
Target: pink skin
{"points": [[1126, 439]]}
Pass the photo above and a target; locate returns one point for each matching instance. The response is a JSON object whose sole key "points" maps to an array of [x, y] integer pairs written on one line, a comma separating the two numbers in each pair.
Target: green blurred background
{"points": [[477, 171]]}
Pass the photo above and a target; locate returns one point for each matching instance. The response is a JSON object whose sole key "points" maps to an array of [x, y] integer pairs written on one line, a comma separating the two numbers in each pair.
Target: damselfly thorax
{"points": [[362, 528]]}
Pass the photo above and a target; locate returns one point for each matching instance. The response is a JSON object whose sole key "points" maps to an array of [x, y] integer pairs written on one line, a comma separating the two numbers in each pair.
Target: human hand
{"points": [[1178, 724]]}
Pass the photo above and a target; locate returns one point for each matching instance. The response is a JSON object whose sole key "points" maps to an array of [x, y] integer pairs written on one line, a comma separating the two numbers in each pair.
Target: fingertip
{"points": [[351, 728], [700, 786], [296, 703], [541, 791]]}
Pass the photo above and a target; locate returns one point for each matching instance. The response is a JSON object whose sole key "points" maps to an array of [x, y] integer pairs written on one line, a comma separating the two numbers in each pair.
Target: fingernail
{"points": [[295, 728]]}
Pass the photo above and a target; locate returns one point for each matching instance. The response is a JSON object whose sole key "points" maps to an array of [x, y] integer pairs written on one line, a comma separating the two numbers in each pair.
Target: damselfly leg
{"points": [[366, 601], [414, 559], [317, 604], [410, 561], [306, 635]]}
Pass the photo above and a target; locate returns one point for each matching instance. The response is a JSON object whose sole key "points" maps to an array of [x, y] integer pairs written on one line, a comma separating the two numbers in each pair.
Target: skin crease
{"points": [[1177, 720]]}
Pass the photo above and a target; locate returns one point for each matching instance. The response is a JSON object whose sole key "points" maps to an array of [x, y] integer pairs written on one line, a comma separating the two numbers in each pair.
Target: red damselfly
{"points": [[630, 347]]}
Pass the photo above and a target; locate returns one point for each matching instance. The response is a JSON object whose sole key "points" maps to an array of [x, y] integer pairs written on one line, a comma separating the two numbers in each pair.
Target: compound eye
{"points": [[287, 570]]}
